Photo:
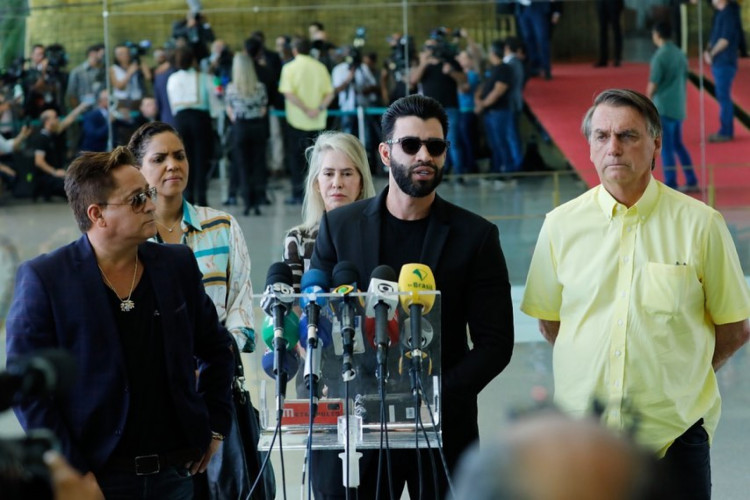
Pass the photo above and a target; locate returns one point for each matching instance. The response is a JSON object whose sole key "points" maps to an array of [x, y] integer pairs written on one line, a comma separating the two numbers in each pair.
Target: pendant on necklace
{"points": [[127, 305]]}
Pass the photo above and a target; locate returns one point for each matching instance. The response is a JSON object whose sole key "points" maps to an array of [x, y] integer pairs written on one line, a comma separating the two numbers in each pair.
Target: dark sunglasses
{"points": [[138, 201], [412, 145]]}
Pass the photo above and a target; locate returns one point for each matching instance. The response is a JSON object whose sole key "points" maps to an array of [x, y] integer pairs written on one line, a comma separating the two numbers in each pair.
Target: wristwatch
{"points": [[217, 436]]}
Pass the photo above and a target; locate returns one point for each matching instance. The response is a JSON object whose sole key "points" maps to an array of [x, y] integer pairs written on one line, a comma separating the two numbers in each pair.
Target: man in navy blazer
{"points": [[406, 223], [136, 318]]}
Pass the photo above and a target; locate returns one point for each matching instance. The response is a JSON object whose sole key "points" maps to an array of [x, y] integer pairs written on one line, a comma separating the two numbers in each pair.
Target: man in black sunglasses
{"points": [[408, 222], [136, 317]]}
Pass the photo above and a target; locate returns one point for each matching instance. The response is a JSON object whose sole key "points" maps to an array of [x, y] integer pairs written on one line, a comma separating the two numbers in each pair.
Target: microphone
{"points": [[276, 302], [416, 279], [313, 283], [290, 330], [382, 303], [48, 372], [345, 277], [289, 364]]}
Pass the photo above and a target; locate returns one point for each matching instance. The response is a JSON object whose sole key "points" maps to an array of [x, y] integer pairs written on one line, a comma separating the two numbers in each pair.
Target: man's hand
{"points": [[59, 172], [68, 483], [707, 57], [201, 465]]}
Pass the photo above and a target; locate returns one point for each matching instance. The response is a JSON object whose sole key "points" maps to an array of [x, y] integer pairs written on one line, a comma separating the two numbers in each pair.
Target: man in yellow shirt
{"points": [[640, 290], [306, 86]]}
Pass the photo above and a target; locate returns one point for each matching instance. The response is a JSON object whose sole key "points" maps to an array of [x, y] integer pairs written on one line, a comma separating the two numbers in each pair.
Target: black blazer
{"points": [[463, 251], [60, 301]]}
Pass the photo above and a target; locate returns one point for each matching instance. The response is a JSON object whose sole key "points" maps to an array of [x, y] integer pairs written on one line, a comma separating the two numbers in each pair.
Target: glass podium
{"points": [[359, 398]]}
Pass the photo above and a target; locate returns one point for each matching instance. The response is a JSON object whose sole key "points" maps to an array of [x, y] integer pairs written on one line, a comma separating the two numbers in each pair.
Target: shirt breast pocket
{"points": [[664, 288]]}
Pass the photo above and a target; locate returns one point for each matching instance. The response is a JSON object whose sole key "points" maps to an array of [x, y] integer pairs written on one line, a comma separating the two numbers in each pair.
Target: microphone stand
{"points": [[415, 371], [347, 374]]}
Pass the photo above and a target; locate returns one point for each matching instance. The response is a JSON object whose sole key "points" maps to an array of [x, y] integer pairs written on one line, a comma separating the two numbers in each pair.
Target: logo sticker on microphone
{"points": [[386, 288], [343, 289], [420, 274]]}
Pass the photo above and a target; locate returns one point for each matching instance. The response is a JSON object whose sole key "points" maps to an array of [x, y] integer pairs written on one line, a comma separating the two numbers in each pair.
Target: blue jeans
{"points": [[467, 132], [672, 145], [723, 78], [454, 151], [534, 20], [504, 141], [172, 483]]}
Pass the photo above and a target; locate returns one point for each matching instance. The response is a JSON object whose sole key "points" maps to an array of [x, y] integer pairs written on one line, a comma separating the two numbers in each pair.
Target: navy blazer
{"points": [[60, 301], [95, 131], [463, 251]]}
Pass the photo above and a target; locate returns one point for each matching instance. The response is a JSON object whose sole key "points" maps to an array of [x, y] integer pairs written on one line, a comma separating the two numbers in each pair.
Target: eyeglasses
{"points": [[412, 145], [137, 201]]}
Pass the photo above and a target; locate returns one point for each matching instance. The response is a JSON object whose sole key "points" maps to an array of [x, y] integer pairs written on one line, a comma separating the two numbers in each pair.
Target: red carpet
{"points": [[560, 104]]}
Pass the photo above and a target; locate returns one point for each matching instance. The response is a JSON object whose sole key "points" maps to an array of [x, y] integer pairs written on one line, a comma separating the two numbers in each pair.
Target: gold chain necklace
{"points": [[171, 228], [126, 305]]}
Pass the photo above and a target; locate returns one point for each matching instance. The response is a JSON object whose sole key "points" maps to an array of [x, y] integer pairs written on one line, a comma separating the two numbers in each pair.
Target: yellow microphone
{"points": [[416, 279]]}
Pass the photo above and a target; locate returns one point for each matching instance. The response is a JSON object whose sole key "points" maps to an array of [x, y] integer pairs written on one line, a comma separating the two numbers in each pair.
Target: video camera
{"points": [[137, 49], [57, 59], [443, 48], [13, 73], [47, 373], [401, 48]]}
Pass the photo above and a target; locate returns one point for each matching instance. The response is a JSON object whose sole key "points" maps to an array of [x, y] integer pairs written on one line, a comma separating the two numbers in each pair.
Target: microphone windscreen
{"points": [[345, 273], [416, 279], [384, 272], [392, 329], [315, 277], [279, 273], [289, 363], [291, 330], [325, 331], [426, 335]]}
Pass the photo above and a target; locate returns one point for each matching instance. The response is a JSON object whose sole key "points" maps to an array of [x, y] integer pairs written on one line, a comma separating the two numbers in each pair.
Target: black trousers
{"points": [[194, 126], [297, 141], [609, 13], [688, 464], [250, 140], [326, 475]]}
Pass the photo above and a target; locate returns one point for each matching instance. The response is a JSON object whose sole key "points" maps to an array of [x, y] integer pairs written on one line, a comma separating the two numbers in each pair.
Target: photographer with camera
{"points": [[128, 76], [45, 80], [195, 31], [439, 76]]}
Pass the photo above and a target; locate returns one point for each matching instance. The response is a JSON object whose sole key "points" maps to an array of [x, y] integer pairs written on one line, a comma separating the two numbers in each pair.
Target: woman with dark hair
{"points": [[187, 90], [215, 236]]}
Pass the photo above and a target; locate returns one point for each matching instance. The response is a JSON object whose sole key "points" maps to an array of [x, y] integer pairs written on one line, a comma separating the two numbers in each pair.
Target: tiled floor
{"points": [[35, 228]]}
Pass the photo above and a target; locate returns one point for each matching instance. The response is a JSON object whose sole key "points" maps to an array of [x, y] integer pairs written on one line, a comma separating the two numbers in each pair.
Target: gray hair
{"points": [[630, 98]]}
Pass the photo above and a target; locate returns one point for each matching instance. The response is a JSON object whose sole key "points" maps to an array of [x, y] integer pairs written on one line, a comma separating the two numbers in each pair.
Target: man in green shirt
{"points": [[666, 87]]}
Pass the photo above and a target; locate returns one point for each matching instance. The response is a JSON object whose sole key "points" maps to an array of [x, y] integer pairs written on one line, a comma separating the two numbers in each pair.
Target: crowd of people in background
{"points": [[261, 108]]}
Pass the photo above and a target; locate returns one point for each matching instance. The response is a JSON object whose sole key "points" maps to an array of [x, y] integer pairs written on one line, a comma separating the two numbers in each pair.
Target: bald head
{"points": [[551, 457]]}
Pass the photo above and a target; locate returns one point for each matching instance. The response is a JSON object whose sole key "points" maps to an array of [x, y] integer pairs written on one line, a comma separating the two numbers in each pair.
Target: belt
{"points": [[145, 465]]}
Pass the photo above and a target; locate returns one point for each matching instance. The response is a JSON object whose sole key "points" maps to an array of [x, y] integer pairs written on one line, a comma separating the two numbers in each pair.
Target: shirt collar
{"points": [[644, 206], [190, 216]]}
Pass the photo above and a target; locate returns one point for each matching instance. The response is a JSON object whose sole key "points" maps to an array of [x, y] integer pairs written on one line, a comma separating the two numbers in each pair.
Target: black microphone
{"points": [[345, 278], [276, 302], [381, 303], [48, 372]]}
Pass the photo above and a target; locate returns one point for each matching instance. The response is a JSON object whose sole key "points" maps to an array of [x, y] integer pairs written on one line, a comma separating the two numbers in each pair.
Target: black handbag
{"points": [[236, 465]]}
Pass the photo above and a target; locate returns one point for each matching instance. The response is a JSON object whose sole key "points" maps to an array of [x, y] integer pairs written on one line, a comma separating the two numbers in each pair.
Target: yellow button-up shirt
{"points": [[310, 81], [637, 292]]}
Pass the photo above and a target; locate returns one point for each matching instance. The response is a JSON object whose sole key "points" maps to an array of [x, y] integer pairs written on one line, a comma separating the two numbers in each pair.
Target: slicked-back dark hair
{"points": [[413, 105], [141, 138], [89, 180]]}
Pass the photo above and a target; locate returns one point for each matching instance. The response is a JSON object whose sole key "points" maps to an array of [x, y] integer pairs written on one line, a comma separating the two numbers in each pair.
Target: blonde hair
{"points": [[313, 206], [244, 77]]}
